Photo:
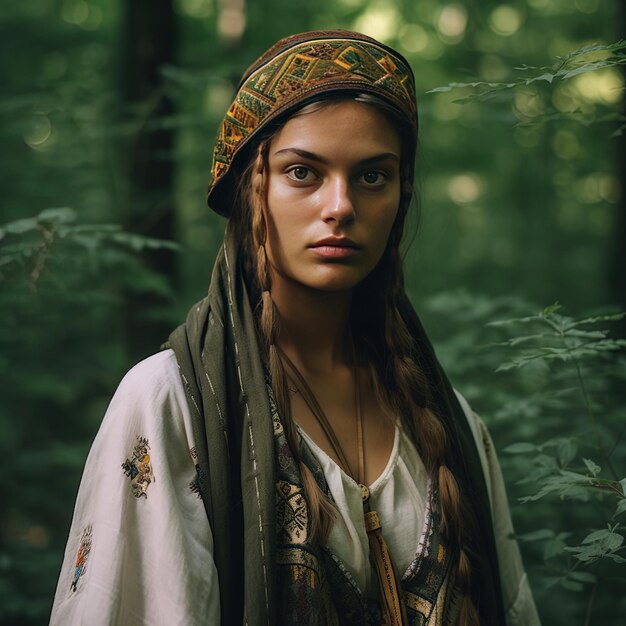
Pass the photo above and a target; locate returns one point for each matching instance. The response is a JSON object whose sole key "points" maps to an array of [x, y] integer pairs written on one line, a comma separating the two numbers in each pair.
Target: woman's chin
{"points": [[326, 277], [335, 281]]}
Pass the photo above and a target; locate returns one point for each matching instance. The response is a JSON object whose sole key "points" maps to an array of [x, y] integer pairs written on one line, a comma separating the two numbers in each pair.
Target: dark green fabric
{"points": [[222, 372], [224, 379]]}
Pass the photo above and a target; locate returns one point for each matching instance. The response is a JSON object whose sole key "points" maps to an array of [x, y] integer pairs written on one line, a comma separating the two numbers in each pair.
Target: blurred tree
{"points": [[149, 45]]}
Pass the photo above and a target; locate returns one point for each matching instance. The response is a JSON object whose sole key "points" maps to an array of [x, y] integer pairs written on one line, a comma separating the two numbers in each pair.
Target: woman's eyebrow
{"points": [[305, 154], [385, 156]]}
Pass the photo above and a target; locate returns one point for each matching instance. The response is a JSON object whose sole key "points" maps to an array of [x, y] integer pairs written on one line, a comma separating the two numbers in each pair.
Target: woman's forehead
{"points": [[338, 128]]}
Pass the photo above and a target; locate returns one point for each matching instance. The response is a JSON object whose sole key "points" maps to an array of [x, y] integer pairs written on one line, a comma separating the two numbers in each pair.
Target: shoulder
{"points": [[138, 512], [477, 426], [518, 601], [149, 404], [153, 379], [150, 388], [483, 442]]}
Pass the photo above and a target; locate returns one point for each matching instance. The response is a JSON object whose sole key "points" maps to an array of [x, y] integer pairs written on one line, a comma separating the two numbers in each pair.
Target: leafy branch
{"points": [[565, 67], [26, 245], [556, 467]]}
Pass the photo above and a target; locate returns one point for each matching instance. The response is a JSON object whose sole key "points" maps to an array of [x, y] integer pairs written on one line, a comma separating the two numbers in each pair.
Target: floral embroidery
{"points": [[84, 549], [139, 469]]}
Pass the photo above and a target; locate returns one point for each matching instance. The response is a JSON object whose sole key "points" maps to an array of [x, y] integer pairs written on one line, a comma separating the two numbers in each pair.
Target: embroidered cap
{"points": [[295, 71]]}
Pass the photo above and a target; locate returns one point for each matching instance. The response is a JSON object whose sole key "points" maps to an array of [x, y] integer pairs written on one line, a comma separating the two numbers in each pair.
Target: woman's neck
{"points": [[314, 326]]}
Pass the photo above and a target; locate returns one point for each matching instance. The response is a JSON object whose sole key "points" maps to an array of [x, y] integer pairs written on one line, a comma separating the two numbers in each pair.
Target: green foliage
{"points": [[560, 399], [28, 245], [590, 58], [574, 63], [604, 543], [559, 338], [62, 291]]}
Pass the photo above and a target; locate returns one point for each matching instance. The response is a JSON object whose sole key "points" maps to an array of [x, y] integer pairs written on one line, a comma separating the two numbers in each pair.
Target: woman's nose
{"points": [[338, 205]]}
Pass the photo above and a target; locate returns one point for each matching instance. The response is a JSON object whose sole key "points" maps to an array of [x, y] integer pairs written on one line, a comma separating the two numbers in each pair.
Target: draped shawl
{"points": [[226, 385]]}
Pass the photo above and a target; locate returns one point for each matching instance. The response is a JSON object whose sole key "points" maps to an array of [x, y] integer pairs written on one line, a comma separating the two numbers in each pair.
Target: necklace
{"points": [[392, 608]]}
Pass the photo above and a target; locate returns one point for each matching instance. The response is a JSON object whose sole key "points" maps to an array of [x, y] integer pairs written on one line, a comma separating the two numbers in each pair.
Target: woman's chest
{"points": [[400, 497]]}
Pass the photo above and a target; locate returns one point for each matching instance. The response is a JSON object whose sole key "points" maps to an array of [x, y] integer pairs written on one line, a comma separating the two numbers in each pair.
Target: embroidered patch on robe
{"points": [[82, 555], [139, 469]]}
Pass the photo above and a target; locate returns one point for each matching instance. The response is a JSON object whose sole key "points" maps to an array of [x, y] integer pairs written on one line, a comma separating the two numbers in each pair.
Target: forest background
{"points": [[109, 111]]}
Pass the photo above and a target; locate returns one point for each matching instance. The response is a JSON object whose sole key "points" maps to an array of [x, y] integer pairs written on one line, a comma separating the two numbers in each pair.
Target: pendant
{"points": [[365, 492]]}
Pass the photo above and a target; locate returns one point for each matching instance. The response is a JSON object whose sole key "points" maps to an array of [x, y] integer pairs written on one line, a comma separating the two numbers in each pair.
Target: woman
{"points": [[297, 456]]}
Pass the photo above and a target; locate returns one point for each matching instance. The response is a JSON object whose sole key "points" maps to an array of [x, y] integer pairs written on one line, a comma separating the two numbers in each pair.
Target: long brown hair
{"points": [[383, 341]]}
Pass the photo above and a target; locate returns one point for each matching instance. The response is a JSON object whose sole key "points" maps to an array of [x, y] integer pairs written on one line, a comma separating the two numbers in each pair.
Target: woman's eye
{"points": [[374, 178], [300, 173]]}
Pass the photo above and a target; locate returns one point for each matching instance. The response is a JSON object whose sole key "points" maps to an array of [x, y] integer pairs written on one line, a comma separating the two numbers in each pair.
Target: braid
{"points": [[404, 386], [321, 509]]}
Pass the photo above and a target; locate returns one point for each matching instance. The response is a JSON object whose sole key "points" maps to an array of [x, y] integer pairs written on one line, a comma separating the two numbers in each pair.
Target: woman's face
{"points": [[333, 193]]}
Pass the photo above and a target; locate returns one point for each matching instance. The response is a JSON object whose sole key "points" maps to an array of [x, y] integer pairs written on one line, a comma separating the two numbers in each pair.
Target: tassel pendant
{"points": [[392, 606]]}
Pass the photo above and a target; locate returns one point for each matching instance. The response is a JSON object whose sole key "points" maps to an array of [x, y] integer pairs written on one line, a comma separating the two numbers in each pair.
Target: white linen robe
{"points": [[140, 545]]}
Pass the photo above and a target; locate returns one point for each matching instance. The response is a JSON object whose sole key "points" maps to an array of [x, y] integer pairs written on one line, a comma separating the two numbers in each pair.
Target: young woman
{"points": [[297, 455]]}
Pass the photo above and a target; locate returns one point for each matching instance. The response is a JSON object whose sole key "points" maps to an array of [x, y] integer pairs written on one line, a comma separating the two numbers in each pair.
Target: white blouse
{"points": [[399, 496], [140, 545]]}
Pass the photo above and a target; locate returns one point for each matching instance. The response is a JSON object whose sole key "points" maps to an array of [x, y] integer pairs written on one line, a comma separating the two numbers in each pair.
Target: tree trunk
{"points": [[148, 44]]}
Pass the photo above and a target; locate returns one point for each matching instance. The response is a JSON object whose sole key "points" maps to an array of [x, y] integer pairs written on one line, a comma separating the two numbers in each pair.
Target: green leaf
{"points": [[584, 69], [621, 507], [586, 334], [21, 226], [553, 548], [594, 47], [551, 581], [615, 557], [527, 338], [606, 537], [565, 484], [521, 448], [583, 577], [571, 585], [551, 310], [616, 317], [537, 535], [514, 320], [545, 77], [454, 85], [594, 469], [57, 214], [566, 451], [137, 243]]}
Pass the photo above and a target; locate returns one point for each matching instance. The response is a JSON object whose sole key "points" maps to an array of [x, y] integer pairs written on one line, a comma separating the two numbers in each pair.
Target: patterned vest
{"points": [[315, 587]]}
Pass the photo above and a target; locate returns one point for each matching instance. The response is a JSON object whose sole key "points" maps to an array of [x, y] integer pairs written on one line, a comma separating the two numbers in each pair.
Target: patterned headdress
{"points": [[295, 71]]}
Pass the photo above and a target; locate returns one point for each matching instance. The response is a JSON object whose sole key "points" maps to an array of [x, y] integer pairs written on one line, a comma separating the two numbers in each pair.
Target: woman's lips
{"points": [[334, 252], [335, 248]]}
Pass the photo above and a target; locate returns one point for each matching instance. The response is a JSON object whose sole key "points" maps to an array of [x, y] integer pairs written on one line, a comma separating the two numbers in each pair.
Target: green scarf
{"points": [[240, 457]]}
